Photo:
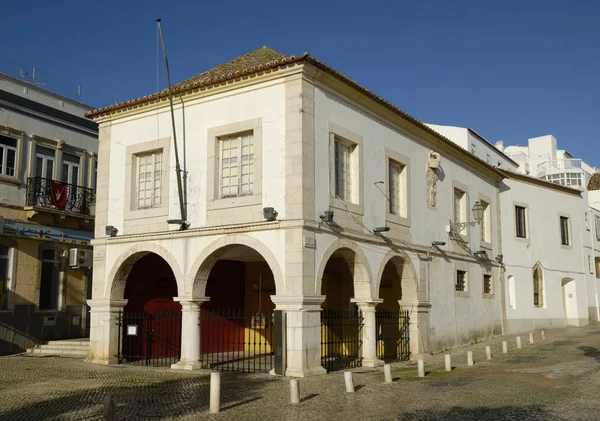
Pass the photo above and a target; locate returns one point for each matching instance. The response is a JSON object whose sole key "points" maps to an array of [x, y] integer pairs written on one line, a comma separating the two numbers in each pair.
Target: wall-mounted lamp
{"points": [[457, 227], [110, 231], [327, 217], [378, 230], [270, 214], [480, 254], [183, 225], [499, 258]]}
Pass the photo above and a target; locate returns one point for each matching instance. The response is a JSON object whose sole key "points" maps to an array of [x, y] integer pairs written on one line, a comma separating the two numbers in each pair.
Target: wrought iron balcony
{"points": [[56, 195]]}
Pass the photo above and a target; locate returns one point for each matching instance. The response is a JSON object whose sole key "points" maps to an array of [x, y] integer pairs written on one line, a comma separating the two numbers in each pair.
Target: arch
{"points": [[537, 277], [200, 270], [120, 270], [406, 272], [357, 262]]}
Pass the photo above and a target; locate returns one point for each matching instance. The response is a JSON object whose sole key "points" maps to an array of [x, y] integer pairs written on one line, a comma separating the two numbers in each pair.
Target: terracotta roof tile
{"points": [[594, 183]]}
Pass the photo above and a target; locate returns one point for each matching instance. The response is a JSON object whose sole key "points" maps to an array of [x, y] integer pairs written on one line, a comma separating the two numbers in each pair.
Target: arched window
{"points": [[4, 274], [50, 279], [538, 287]]}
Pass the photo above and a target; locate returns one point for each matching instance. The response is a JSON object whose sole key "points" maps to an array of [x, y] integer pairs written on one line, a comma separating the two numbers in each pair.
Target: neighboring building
{"points": [[306, 193], [548, 250], [542, 159], [47, 182]]}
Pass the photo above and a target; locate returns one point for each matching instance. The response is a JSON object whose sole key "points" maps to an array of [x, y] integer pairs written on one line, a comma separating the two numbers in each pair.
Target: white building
{"points": [[274, 144], [47, 181], [548, 235]]}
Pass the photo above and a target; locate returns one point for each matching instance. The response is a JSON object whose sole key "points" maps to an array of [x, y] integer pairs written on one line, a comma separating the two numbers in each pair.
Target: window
{"points": [[590, 264], [597, 219], [597, 267], [460, 205], [461, 281], [149, 177], [50, 280], [44, 162], [487, 284], [512, 293], [394, 194], [473, 149], [564, 231], [4, 275], [485, 225], [565, 179], [70, 169], [538, 300], [587, 220], [95, 175], [8, 156], [236, 165], [343, 170], [520, 222]]}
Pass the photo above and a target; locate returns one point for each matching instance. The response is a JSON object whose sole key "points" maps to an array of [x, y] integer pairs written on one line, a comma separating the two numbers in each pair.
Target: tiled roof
{"points": [[252, 60], [594, 182], [267, 59]]}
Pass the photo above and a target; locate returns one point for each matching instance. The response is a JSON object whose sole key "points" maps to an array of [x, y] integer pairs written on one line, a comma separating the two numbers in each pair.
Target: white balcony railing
{"points": [[558, 165]]}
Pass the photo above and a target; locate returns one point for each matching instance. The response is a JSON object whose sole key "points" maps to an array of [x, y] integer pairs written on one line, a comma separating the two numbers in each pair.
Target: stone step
{"points": [[62, 345], [82, 341], [53, 351]]}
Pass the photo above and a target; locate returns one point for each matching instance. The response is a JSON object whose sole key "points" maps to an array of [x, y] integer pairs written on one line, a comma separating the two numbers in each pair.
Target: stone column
{"points": [[418, 312], [303, 333], [369, 332], [31, 157], [190, 333], [104, 330]]}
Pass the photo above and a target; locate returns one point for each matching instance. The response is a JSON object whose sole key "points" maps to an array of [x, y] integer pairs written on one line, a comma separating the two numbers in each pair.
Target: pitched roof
{"points": [[594, 183], [252, 60]]}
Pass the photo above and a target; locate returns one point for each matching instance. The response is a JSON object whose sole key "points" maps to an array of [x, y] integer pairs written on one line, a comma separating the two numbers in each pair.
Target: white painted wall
{"points": [[543, 245]]}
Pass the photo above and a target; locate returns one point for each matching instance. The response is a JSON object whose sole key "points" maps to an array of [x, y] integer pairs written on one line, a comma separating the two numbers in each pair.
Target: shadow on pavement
{"points": [[529, 413]]}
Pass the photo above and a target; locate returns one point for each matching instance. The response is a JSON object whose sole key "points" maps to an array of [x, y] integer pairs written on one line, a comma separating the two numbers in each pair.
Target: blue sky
{"points": [[510, 70]]}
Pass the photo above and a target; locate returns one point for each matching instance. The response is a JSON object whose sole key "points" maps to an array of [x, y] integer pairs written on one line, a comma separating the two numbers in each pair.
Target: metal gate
{"points": [[341, 343], [236, 340], [149, 339], [392, 327]]}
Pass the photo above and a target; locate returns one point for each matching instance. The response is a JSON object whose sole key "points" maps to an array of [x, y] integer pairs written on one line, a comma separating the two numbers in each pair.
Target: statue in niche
{"points": [[432, 179]]}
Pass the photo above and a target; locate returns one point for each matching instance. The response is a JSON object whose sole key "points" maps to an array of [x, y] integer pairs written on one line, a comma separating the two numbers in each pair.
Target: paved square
{"points": [[556, 379]]}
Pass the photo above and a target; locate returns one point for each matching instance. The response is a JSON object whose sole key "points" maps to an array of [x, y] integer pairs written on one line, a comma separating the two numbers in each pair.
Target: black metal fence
{"points": [[341, 341], [51, 194], [393, 342], [237, 340], [149, 339]]}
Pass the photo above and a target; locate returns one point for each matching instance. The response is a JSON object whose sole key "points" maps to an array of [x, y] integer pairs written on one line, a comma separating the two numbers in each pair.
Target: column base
{"points": [[290, 372], [372, 362], [101, 361], [188, 365]]}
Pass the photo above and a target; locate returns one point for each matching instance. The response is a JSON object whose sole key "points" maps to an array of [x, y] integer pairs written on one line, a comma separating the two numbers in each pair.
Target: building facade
{"points": [[306, 194], [47, 183]]}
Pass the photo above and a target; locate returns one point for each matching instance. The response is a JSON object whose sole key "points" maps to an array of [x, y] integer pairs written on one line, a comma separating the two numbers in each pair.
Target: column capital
{"points": [[106, 305], [420, 306], [60, 143], [366, 303], [298, 302], [190, 303]]}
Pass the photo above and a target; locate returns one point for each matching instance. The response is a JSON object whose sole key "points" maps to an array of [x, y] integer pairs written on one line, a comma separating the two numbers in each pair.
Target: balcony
{"points": [[58, 196], [557, 165]]}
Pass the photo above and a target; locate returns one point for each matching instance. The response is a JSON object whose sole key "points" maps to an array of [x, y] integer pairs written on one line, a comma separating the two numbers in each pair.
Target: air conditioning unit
{"points": [[81, 258]]}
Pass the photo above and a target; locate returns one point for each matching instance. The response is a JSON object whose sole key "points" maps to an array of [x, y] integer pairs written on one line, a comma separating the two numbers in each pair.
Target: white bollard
{"points": [[469, 357], [421, 366], [349, 382], [387, 372], [488, 352], [294, 391], [505, 347], [543, 335], [531, 338], [518, 342], [215, 392], [448, 362]]}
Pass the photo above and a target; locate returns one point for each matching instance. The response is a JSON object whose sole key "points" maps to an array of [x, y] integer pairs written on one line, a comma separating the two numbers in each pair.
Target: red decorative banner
{"points": [[58, 194]]}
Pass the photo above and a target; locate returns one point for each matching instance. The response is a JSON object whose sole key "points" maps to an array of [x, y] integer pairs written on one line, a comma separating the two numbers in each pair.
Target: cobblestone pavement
{"points": [[557, 379]]}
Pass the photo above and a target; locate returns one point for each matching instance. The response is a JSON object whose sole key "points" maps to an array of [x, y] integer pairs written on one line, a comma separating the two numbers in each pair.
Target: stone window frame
{"points": [[466, 217], [339, 133], [487, 221], [11, 269], [405, 191], [20, 136], [492, 293], [527, 219], [213, 201], [568, 246], [464, 267], [131, 210], [79, 153]]}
